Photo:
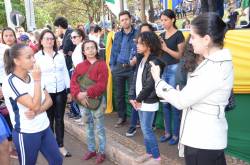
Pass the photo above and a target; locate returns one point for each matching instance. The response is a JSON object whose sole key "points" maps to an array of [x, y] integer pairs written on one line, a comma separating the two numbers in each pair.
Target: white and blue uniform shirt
{"points": [[13, 88]]}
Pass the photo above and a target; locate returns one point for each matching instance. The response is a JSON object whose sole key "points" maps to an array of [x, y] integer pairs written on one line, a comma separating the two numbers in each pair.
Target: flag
{"points": [[170, 4], [111, 1], [114, 6]]}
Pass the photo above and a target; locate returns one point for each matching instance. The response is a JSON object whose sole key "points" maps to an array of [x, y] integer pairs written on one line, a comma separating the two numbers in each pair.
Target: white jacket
{"points": [[203, 101]]}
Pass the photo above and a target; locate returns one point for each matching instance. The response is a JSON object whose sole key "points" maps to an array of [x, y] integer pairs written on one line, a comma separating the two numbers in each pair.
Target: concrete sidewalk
{"points": [[123, 150]]}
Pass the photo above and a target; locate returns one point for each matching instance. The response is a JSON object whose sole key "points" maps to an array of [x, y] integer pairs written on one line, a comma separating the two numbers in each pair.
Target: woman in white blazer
{"points": [[203, 134]]}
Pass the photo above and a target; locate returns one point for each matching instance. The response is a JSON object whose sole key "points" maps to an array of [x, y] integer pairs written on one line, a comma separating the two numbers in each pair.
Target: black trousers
{"points": [[122, 76], [56, 113], [194, 156]]}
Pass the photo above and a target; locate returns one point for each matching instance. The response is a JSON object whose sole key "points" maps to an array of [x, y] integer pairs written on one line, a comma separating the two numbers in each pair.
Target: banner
{"points": [[114, 6]]}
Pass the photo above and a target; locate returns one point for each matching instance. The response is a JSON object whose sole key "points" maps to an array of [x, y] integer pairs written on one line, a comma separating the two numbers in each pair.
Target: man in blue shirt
{"points": [[119, 62]]}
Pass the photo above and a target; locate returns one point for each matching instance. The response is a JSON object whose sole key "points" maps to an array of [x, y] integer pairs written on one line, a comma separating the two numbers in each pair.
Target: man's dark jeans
{"points": [[122, 76]]}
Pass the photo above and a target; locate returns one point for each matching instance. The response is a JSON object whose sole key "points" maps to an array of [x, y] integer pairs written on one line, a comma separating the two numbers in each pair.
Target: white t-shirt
{"points": [[144, 106], [13, 88], [2, 72], [77, 56]]}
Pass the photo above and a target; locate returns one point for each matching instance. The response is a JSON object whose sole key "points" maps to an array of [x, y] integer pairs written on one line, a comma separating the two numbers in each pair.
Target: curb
{"points": [[123, 151], [119, 149]]}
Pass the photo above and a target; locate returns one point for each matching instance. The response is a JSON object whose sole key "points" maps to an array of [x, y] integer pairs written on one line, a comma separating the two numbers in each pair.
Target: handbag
{"points": [[3, 109], [85, 82], [231, 102]]}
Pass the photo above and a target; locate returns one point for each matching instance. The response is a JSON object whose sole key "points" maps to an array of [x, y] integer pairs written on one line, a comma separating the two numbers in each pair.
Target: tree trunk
{"points": [[151, 11], [143, 16]]}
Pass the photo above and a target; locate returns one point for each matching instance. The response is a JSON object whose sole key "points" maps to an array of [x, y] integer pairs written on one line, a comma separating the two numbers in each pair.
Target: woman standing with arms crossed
{"points": [[27, 102], [172, 45], [57, 82], [203, 99]]}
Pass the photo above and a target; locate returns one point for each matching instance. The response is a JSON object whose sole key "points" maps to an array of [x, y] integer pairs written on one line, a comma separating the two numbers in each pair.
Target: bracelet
{"points": [[37, 80]]}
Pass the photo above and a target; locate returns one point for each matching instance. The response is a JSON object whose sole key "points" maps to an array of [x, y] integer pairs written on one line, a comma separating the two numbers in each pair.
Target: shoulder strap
{"points": [[91, 67]]}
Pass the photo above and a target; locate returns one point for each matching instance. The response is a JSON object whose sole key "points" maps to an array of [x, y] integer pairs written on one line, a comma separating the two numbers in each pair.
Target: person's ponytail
{"points": [[8, 62]]}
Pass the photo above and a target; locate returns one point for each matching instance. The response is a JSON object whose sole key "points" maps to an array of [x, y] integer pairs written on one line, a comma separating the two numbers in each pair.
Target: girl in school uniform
{"points": [[27, 102]]}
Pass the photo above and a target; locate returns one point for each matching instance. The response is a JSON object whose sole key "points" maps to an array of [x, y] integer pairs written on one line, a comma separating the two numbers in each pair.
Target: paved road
{"points": [[76, 148]]}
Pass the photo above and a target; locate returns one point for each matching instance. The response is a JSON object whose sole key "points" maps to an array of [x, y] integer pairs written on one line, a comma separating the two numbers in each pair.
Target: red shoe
{"points": [[100, 158], [89, 155]]}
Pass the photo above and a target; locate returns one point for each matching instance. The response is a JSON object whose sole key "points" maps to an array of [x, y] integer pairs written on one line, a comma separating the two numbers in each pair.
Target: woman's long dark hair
{"points": [[170, 14], [9, 56], [210, 24], [189, 57], [151, 40], [10, 29], [80, 33], [40, 46], [88, 41]]}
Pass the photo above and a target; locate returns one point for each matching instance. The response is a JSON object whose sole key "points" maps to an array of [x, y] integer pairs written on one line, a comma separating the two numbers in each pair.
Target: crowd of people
{"points": [[44, 71]]}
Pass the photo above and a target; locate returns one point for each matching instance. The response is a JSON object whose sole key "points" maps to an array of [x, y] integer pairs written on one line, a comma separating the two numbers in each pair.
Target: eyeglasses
{"points": [[73, 37], [91, 47], [48, 39]]}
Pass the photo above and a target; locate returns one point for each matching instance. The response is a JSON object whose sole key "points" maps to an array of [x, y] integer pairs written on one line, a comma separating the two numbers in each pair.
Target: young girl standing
{"points": [[142, 95], [27, 102]]}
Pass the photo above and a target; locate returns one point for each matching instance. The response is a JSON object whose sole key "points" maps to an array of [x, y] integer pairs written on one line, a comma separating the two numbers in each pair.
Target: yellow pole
{"points": [[170, 4]]}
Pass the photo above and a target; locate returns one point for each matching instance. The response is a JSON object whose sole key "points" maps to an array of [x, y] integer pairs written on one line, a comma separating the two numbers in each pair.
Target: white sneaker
{"points": [[64, 152], [78, 120], [80, 123]]}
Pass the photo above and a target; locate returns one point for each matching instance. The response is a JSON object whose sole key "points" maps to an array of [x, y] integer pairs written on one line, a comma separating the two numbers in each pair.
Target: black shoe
{"points": [[131, 132], [77, 117], [120, 122], [71, 115]]}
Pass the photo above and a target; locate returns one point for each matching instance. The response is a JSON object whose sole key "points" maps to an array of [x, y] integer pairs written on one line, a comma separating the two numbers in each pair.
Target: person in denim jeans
{"points": [[142, 95], [134, 118], [94, 120], [122, 71], [96, 71], [172, 44], [169, 76]]}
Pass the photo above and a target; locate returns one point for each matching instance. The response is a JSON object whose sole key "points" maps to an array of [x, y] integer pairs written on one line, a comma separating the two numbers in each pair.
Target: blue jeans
{"points": [[120, 85], [94, 120], [169, 76], [135, 117], [150, 141]]}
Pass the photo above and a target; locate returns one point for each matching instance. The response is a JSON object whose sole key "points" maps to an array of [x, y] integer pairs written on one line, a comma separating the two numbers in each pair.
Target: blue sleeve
{"points": [[114, 51]]}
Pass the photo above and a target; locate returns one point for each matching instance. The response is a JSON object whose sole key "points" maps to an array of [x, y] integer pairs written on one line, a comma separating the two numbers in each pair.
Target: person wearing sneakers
{"points": [[144, 27], [27, 100], [203, 133], [54, 71], [122, 71], [142, 95], [96, 70]]}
